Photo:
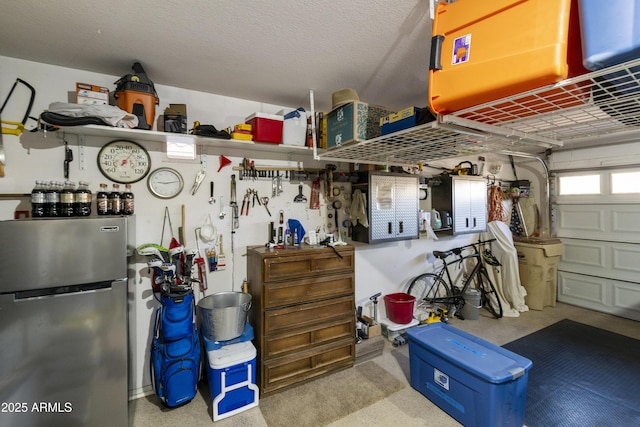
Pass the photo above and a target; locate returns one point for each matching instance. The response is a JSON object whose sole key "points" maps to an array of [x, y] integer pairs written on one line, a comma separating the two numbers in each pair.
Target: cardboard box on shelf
{"points": [[91, 94], [403, 119], [355, 121]]}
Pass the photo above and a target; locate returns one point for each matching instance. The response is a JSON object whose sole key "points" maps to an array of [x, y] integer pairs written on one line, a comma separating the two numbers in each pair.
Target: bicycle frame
{"points": [[458, 297], [459, 292]]}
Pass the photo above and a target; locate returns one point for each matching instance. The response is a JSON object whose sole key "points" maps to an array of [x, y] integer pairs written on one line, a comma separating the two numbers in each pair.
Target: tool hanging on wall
{"points": [[315, 195], [212, 199], [300, 198], [166, 219], [222, 258], [246, 203], [200, 263], [269, 172], [68, 158], [200, 175], [13, 127], [223, 162]]}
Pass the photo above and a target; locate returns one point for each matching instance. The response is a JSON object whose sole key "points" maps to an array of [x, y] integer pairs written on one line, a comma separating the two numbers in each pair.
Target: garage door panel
{"points": [[574, 218], [588, 289], [626, 219], [626, 258], [619, 223], [626, 296], [583, 253], [606, 295], [612, 260]]}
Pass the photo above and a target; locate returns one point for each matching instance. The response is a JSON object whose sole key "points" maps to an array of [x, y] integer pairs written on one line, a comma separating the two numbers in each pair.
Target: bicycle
{"points": [[434, 294]]}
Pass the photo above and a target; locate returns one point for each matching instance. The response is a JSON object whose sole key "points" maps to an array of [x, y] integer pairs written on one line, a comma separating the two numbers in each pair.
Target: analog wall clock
{"points": [[165, 183], [124, 161]]}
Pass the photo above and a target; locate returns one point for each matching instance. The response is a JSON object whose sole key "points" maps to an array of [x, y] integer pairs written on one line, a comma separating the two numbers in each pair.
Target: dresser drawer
{"points": [[304, 339], [299, 266], [304, 315], [304, 290], [284, 371]]}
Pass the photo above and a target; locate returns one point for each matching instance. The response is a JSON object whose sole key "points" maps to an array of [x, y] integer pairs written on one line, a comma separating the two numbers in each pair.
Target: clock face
{"points": [[165, 183], [124, 161]]}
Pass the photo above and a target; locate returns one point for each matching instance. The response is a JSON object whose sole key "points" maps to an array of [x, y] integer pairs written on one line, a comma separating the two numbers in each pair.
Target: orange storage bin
{"points": [[482, 51]]}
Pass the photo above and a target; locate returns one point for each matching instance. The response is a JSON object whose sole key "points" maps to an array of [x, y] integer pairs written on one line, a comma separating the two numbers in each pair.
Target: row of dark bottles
{"points": [[114, 202], [62, 199]]}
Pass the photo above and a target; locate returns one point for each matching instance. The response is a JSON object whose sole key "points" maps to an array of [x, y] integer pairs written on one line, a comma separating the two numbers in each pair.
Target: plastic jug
{"points": [[436, 221]]}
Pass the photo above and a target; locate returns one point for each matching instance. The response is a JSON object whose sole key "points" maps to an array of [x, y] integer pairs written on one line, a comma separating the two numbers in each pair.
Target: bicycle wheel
{"points": [[490, 299], [423, 288]]}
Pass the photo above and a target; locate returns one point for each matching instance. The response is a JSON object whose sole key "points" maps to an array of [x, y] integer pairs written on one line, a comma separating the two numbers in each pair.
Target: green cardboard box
{"points": [[355, 121]]}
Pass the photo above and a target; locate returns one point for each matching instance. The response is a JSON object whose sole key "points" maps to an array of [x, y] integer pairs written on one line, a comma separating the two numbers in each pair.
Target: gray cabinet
{"points": [[465, 198], [392, 206]]}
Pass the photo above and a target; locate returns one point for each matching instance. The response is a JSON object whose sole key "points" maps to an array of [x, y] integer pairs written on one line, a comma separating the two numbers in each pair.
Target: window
{"points": [[579, 184], [625, 182]]}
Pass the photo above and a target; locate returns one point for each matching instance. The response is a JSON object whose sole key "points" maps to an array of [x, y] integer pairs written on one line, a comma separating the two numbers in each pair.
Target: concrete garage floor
{"points": [[404, 408]]}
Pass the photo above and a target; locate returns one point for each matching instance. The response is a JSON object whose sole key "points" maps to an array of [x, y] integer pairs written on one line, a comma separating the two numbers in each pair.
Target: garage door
{"points": [[596, 214]]}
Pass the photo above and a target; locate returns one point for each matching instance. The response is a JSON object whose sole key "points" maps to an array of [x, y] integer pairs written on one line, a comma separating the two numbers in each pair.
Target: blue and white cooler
{"points": [[231, 373], [231, 357]]}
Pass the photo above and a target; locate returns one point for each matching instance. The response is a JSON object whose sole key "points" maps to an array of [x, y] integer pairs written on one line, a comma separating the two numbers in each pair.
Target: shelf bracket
{"points": [[81, 146]]}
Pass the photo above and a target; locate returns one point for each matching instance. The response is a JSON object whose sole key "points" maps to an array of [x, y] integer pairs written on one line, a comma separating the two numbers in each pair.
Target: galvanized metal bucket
{"points": [[223, 315]]}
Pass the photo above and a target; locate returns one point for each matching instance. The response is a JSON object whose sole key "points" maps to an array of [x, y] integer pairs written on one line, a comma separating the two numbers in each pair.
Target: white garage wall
{"points": [[382, 268]]}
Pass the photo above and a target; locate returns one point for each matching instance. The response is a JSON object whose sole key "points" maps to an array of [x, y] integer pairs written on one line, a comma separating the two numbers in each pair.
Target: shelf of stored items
{"points": [[155, 136], [229, 147], [601, 105]]}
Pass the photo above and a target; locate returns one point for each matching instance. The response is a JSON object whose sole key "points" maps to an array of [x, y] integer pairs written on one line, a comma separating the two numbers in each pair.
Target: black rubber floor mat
{"points": [[581, 376]]}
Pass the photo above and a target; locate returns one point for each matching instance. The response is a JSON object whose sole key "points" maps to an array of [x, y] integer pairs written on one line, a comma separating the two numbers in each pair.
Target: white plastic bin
{"points": [[294, 128]]}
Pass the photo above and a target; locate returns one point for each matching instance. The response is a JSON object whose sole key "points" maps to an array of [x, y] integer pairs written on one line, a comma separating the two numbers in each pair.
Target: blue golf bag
{"points": [[175, 349]]}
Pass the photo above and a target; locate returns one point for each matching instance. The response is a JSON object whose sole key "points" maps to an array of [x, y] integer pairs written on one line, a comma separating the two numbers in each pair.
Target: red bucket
{"points": [[399, 307]]}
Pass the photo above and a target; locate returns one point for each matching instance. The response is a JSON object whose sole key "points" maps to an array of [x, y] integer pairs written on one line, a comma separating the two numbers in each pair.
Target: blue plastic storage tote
{"points": [[610, 32], [476, 382]]}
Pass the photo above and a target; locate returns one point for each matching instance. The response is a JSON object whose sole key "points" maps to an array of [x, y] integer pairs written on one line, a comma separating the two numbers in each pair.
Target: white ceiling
{"points": [[267, 51]]}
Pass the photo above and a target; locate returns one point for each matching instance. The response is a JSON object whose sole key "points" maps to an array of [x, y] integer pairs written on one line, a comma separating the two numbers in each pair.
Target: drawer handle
{"points": [[390, 225], [400, 226]]}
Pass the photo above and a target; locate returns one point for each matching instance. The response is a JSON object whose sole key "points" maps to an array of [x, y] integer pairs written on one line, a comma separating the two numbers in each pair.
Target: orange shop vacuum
{"points": [[137, 95]]}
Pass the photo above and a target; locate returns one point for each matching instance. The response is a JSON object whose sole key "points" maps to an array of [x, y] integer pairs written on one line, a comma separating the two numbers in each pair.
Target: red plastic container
{"points": [[266, 127], [399, 307]]}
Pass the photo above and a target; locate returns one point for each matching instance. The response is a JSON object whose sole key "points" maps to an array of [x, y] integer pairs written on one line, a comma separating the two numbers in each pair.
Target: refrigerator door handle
{"points": [[63, 290]]}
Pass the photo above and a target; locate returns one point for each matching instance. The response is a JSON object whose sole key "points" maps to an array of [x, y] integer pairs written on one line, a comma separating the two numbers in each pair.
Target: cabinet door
{"points": [[382, 207], [469, 206], [393, 208], [478, 206], [461, 206], [406, 221]]}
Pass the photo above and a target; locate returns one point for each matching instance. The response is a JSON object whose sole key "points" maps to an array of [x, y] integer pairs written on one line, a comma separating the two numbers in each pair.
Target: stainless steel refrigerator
{"points": [[63, 321]]}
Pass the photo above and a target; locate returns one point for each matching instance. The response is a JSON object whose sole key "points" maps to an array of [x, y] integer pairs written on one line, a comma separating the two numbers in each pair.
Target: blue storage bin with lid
{"points": [[610, 32], [476, 382]]}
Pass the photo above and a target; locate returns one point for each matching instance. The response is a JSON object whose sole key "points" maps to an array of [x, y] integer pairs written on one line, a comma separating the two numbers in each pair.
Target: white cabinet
{"points": [[392, 202], [465, 198]]}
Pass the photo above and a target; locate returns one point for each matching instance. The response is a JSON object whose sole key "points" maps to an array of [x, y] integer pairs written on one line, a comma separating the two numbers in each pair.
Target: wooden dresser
{"points": [[303, 312]]}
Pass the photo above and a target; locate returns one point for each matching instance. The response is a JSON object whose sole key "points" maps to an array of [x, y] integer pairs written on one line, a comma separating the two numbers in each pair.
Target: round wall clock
{"points": [[124, 161], [165, 183]]}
